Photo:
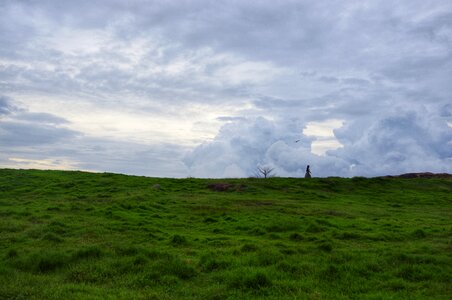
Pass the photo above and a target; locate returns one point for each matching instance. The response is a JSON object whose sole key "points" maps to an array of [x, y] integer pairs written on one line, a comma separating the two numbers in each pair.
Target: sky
{"points": [[219, 88]]}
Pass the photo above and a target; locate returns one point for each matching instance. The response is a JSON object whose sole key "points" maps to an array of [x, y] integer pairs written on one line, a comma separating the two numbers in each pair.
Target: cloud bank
{"points": [[401, 142]]}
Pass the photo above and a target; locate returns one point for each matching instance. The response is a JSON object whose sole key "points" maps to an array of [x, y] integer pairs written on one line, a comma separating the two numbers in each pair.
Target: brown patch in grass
{"points": [[255, 203], [226, 187]]}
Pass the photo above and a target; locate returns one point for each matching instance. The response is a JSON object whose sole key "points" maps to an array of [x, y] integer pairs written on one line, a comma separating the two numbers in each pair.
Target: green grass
{"points": [[71, 235]]}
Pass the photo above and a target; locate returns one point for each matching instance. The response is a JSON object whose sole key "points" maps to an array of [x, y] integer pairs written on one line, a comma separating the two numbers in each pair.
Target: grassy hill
{"points": [[66, 235]]}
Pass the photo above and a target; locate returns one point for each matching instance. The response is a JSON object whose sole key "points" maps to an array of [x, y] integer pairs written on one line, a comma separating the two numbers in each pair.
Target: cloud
{"points": [[45, 141], [5, 106], [21, 128], [243, 145], [29, 134], [403, 141], [131, 86]]}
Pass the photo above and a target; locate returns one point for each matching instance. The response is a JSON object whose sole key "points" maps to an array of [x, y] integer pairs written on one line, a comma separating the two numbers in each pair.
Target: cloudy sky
{"points": [[218, 88]]}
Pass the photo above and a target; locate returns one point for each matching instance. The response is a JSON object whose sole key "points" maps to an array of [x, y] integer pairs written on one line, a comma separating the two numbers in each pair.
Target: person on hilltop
{"points": [[308, 172]]}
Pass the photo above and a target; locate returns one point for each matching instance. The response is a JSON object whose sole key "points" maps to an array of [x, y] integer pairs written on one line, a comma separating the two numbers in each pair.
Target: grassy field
{"points": [[70, 235]]}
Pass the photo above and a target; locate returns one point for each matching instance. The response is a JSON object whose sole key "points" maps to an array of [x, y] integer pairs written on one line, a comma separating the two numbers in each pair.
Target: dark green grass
{"points": [[70, 235]]}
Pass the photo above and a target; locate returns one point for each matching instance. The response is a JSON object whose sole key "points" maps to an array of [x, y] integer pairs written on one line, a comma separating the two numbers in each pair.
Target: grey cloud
{"points": [[295, 33], [20, 134], [23, 128], [435, 27], [40, 118], [31, 138], [356, 81], [328, 79], [5, 106], [401, 142], [164, 160], [354, 61], [446, 110]]}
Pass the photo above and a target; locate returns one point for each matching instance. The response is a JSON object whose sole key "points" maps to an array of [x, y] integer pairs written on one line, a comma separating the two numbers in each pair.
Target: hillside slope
{"points": [[70, 235]]}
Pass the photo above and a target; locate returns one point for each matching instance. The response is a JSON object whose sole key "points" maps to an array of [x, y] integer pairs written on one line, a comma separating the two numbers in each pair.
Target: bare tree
{"points": [[264, 172]]}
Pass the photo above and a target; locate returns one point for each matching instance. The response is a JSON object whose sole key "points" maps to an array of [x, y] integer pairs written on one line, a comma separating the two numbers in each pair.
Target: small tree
{"points": [[264, 172]]}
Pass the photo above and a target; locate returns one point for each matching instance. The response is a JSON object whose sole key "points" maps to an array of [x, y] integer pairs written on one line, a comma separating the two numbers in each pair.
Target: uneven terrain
{"points": [[70, 235]]}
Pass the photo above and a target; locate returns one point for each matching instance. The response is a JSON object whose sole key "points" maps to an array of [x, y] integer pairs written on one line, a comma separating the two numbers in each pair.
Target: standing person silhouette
{"points": [[308, 172]]}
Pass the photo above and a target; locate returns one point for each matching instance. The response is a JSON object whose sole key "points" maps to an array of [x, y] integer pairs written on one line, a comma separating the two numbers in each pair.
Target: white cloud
{"points": [[324, 135], [403, 141]]}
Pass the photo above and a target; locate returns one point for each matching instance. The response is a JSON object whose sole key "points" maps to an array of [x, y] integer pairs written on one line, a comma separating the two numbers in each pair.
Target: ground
{"points": [[70, 235]]}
